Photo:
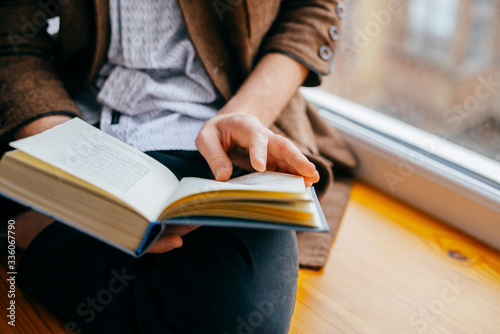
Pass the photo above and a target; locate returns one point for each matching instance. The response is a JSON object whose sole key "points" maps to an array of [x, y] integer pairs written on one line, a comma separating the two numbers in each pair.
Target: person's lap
{"points": [[222, 280]]}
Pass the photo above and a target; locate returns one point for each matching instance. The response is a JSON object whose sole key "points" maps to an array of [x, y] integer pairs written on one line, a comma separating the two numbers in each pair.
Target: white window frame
{"points": [[447, 181]]}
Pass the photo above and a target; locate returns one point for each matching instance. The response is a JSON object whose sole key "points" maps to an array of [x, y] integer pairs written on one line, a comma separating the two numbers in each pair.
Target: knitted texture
{"points": [[153, 78]]}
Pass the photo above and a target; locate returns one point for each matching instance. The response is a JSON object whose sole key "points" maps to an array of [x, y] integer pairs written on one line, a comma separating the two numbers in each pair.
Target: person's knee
{"points": [[231, 281], [267, 312], [266, 295], [274, 255]]}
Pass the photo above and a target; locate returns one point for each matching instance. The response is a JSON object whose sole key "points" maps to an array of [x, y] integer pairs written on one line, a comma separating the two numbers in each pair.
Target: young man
{"points": [[194, 84]]}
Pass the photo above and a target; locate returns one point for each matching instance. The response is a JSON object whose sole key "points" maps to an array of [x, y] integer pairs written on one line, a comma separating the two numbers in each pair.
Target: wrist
{"points": [[268, 89], [40, 125], [239, 105]]}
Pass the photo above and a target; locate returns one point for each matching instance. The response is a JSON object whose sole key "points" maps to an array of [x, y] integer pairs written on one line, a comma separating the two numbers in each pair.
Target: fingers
{"points": [[283, 166], [282, 149], [166, 243], [266, 150], [171, 238], [259, 139], [248, 132], [240, 157], [180, 230], [218, 135], [310, 180], [209, 144]]}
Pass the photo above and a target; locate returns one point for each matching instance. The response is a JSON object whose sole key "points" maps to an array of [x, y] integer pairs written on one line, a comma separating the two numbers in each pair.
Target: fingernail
{"points": [[218, 171]]}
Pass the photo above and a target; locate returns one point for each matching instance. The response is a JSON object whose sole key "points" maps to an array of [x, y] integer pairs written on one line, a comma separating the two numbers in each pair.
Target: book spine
{"points": [[154, 231]]}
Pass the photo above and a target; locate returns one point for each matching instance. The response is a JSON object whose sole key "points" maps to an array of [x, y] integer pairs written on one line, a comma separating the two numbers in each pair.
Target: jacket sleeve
{"points": [[307, 31], [29, 85]]}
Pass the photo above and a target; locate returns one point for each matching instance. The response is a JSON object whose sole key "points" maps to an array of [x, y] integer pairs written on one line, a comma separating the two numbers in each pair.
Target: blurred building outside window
{"points": [[434, 64]]}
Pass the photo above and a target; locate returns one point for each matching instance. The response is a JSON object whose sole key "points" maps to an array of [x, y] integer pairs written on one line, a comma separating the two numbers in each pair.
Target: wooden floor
{"points": [[392, 270]]}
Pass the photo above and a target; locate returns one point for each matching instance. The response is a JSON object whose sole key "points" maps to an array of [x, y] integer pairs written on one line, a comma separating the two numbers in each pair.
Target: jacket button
{"points": [[341, 10], [325, 52], [334, 33]]}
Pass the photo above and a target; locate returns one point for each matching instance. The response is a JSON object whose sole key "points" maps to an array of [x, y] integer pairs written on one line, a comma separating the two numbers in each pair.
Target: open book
{"points": [[84, 177]]}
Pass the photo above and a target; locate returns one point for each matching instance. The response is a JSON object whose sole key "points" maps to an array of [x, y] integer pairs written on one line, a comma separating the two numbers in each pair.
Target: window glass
{"points": [[430, 27], [432, 63]]}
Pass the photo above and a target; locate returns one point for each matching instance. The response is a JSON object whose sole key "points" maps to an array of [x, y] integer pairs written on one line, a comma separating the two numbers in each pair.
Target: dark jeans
{"points": [[222, 280]]}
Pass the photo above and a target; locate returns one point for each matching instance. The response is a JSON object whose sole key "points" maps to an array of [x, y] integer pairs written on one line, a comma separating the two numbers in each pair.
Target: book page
{"points": [[271, 181], [87, 153], [263, 181]]}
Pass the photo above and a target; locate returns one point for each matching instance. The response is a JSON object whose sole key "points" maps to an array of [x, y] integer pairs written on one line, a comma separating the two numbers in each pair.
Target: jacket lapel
{"points": [[101, 35], [206, 30]]}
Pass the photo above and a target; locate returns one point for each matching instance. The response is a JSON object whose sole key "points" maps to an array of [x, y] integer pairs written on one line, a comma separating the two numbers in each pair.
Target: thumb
{"points": [[210, 147]]}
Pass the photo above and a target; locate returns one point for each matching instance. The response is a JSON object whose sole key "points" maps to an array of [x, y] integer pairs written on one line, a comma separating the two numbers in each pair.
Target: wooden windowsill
{"points": [[393, 269]]}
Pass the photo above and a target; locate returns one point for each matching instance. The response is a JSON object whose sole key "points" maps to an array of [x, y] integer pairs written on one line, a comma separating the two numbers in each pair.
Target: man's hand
{"points": [[171, 238], [240, 130], [238, 134], [40, 125]]}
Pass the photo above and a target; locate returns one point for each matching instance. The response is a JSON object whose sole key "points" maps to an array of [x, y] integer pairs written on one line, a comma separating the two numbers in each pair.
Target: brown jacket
{"points": [[40, 74]]}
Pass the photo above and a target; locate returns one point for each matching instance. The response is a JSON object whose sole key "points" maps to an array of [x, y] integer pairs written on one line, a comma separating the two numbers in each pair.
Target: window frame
{"points": [[451, 183]]}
